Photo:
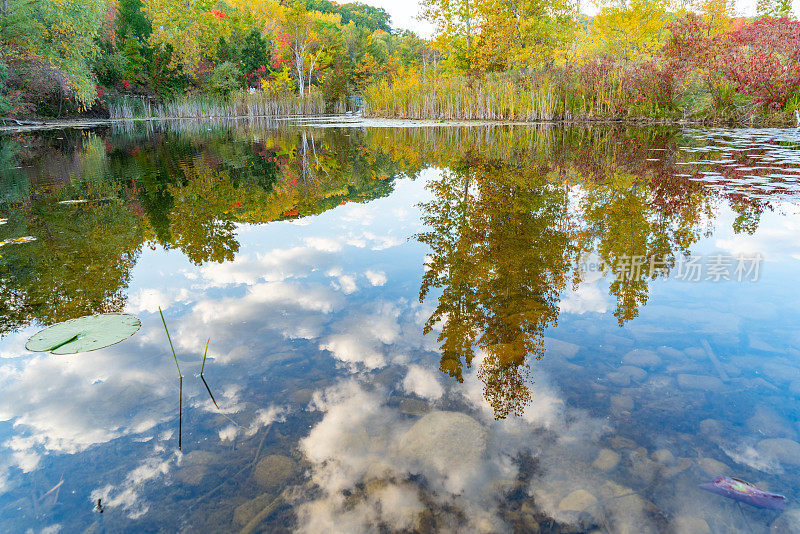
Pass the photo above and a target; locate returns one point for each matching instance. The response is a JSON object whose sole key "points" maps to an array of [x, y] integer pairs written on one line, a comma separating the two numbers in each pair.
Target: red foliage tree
{"points": [[762, 58]]}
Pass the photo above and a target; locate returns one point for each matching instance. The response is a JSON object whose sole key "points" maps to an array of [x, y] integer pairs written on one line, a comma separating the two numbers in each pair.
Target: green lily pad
{"points": [[84, 333]]}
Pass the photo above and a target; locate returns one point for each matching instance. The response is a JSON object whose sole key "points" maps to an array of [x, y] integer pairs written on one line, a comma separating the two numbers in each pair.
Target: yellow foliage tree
{"points": [[454, 21], [518, 34], [632, 31], [718, 14], [310, 36], [175, 25]]}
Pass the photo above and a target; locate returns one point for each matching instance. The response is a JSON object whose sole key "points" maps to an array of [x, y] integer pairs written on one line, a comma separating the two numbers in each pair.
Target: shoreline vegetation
{"points": [[240, 104], [359, 119], [636, 61], [548, 98]]}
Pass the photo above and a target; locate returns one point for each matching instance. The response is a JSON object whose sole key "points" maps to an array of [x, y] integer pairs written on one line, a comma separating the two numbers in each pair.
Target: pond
{"points": [[478, 328]]}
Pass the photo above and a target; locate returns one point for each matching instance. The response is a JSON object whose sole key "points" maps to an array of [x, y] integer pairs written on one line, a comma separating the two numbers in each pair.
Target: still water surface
{"points": [[475, 329]]}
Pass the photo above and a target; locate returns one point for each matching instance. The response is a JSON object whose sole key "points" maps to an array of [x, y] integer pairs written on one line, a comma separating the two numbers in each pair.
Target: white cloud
{"points": [[364, 336], [307, 297], [228, 433], [150, 299], [345, 283], [383, 242], [376, 278], [128, 494], [360, 440], [67, 404], [324, 244], [275, 266], [262, 418], [423, 383], [346, 348], [13, 346], [587, 298]]}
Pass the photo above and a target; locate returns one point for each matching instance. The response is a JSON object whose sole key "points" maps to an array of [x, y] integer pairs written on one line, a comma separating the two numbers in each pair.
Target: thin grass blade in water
{"points": [[180, 413], [170, 343], [209, 391]]}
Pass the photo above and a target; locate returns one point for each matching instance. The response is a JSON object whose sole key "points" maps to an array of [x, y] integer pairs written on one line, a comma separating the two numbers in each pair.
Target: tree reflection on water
{"points": [[514, 214], [509, 229]]}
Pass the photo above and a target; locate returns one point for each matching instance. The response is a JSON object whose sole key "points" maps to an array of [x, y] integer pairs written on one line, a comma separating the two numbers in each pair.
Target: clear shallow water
{"points": [[410, 328]]}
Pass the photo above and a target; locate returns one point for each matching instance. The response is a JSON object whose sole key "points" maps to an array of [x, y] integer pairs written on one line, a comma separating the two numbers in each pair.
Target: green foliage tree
{"points": [[502, 253], [225, 79], [255, 52], [775, 8], [59, 36], [109, 65], [131, 20], [134, 61], [362, 15]]}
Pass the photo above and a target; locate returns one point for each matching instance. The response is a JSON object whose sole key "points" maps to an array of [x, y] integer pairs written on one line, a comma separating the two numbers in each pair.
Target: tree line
{"points": [[487, 59], [70, 56]]}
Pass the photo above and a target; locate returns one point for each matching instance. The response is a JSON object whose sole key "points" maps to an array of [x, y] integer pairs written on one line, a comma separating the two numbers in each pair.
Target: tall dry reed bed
{"points": [[598, 89], [240, 104]]}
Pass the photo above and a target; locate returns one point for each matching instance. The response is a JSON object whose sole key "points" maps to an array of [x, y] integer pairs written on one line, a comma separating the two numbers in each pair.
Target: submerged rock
{"points": [[769, 423], [788, 521], [301, 396], [712, 467], [783, 450], [703, 382], [274, 471], [577, 501], [680, 465], [411, 406], [618, 378], [690, 525], [620, 403], [780, 371], [445, 440], [627, 511], [195, 466], [710, 427], [556, 347], [695, 353], [247, 511], [663, 456], [669, 352], [642, 358], [642, 467], [636, 373], [621, 442], [607, 460]]}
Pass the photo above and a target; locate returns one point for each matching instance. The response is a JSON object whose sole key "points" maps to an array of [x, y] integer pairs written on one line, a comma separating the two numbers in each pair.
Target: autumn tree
{"points": [[520, 34], [761, 58], [500, 252], [717, 14], [774, 8], [306, 33], [56, 40], [455, 26], [177, 27], [633, 30]]}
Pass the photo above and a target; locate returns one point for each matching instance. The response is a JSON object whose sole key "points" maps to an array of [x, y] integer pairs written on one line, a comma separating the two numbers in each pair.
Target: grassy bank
{"points": [[239, 104], [594, 91]]}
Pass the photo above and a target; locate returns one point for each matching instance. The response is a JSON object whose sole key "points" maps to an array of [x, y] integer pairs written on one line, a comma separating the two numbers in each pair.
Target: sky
{"points": [[404, 12]]}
